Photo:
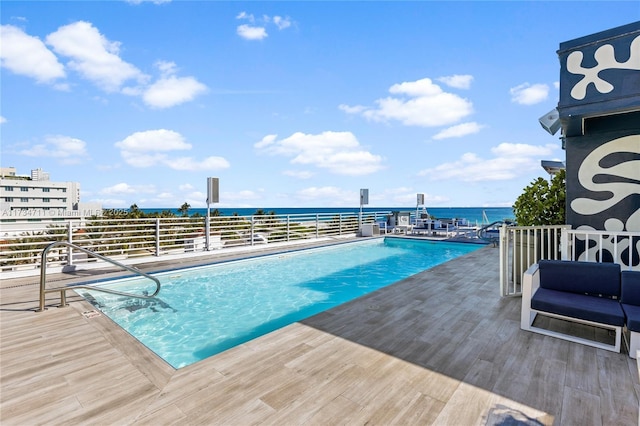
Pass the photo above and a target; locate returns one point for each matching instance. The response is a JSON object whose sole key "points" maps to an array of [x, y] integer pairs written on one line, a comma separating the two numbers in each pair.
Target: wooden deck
{"points": [[440, 348]]}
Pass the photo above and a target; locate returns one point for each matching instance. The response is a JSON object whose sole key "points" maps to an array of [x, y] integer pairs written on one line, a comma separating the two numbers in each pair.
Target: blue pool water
{"points": [[205, 310]]}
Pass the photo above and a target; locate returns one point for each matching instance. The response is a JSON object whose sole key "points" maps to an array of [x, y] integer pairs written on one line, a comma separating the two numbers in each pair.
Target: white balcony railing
{"points": [[131, 240], [523, 246]]}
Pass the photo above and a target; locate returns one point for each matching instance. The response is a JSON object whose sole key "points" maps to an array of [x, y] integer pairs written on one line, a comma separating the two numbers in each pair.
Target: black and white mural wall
{"points": [[600, 113]]}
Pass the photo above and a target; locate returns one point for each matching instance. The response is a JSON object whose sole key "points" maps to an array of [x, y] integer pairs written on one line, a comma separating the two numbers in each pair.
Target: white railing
{"points": [[523, 246], [129, 240], [604, 246]]}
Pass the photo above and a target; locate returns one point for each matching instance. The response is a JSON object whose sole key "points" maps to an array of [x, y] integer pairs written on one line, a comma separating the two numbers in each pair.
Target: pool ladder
{"points": [[63, 290]]}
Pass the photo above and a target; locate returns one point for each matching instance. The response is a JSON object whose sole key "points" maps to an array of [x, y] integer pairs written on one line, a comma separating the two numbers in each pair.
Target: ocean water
{"points": [[472, 214]]}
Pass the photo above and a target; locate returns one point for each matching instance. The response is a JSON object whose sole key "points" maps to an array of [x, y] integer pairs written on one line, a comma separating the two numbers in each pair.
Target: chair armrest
{"points": [[530, 284]]}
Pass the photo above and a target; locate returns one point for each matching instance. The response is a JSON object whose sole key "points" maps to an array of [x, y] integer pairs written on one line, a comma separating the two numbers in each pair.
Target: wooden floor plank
{"points": [[582, 408], [440, 347]]}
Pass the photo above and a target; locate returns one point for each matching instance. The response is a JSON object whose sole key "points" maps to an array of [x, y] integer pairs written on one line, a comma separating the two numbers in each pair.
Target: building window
{"points": [[24, 200], [64, 189], [45, 189], [8, 199], [8, 188], [46, 200], [24, 189]]}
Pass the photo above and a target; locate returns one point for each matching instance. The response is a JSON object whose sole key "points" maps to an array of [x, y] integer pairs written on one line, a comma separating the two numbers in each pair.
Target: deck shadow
{"points": [[451, 320]]}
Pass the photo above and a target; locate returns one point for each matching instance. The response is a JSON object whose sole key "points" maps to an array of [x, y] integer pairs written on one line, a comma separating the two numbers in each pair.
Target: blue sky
{"points": [[289, 104]]}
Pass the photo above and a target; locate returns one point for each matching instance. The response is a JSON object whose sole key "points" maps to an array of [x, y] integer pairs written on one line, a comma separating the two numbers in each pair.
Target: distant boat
{"points": [[485, 219]]}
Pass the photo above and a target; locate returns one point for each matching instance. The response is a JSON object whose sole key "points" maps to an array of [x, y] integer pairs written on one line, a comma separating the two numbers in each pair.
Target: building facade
{"points": [[599, 110], [35, 196]]}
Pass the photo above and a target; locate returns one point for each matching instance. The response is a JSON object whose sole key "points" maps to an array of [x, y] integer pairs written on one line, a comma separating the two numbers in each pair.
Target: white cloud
{"points": [[149, 148], [266, 141], [65, 148], [338, 152], [356, 109], [164, 196], [125, 188], [27, 55], [258, 28], [281, 22], [107, 167], [154, 140], [423, 87], [509, 161], [457, 81], [166, 68], [422, 103], [171, 91], [527, 94], [327, 195], [190, 164], [458, 131], [141, 160], [248, 32], [110, 202], [245, 15], [2, 120], [403, 196], [186, 187], [240, 196], [299, 174], [93, 56], [522, 150], [96, 59]]}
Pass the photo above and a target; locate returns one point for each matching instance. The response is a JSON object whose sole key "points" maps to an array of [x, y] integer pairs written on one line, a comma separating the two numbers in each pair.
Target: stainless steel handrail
{"points": [[62, 290]]}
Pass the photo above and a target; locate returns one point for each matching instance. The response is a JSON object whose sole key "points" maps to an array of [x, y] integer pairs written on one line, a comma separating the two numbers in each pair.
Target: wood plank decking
{"points": [[440, 348]]}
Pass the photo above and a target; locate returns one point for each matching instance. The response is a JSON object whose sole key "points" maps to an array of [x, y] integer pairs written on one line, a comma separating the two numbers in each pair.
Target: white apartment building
{"points": [[36, 197]]}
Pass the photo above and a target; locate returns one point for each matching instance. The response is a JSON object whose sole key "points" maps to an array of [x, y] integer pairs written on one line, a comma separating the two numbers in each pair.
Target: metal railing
{"points": [[63, 290], [523, 246], [129, 240]]}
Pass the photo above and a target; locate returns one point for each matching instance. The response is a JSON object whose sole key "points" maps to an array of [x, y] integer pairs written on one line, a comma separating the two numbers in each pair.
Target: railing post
{"points": [[63, 298], [317, 225], [43, 279], [70, 241], [207, 230], [503, 253], [518, 248], [288, 228], [340, 224], [564, 244], [157, 237], [252, 228]]}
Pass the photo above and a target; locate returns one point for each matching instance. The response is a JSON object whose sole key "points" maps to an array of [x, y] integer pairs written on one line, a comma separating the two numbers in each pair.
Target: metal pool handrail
{"points": [[63, 290]]}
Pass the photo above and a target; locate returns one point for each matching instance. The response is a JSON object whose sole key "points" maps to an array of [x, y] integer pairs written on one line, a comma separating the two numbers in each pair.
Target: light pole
{"points": [[364, 199], [213, 196], [419, 202]]}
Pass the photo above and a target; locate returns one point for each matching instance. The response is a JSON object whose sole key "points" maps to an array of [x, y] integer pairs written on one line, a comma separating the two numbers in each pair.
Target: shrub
{"points": [[542, 203]]}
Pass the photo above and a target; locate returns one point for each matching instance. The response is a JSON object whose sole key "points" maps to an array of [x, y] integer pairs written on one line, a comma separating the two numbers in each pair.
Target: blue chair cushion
{"points": [[633, 316], [600, 279], [630, 283], [590, 308]]}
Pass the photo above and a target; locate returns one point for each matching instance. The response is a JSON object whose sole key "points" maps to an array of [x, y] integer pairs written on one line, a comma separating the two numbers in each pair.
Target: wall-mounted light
{"points": [[550, 121]]}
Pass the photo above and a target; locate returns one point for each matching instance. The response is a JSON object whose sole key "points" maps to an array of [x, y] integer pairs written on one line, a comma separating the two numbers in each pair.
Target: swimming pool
{"points": [[205, 310]]}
